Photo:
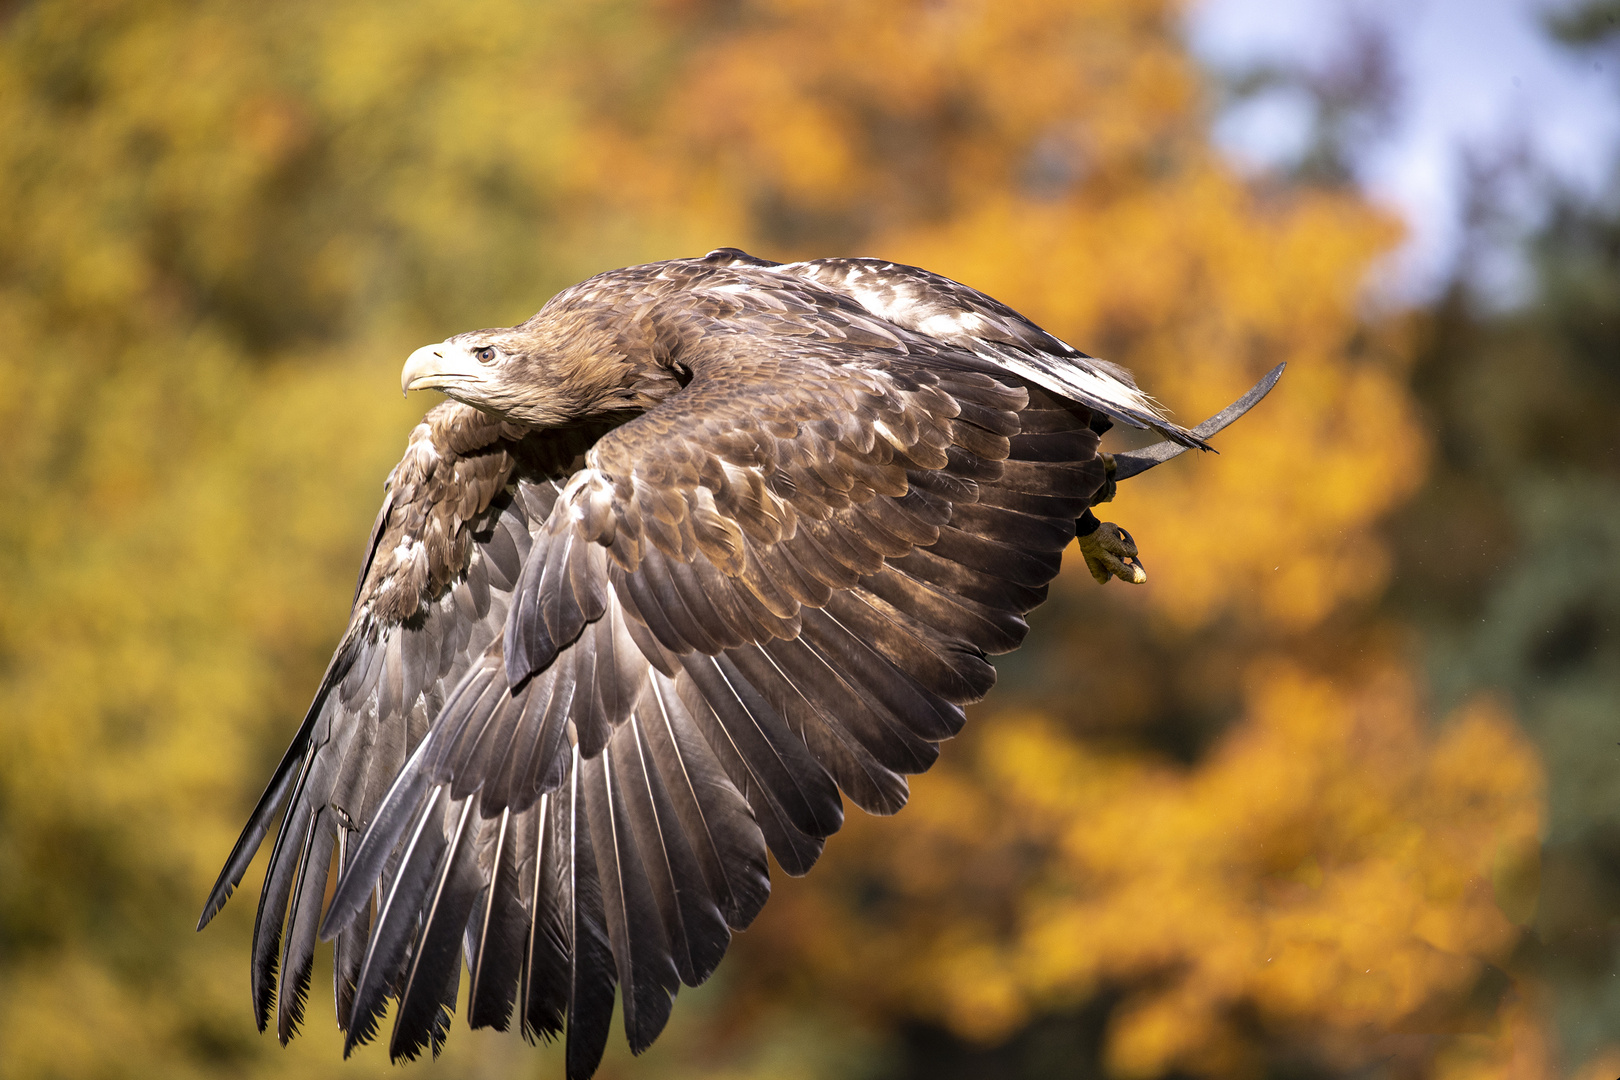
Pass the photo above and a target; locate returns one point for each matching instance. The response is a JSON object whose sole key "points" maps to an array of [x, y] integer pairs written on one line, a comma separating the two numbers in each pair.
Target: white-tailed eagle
{"points": [[700, 546]]}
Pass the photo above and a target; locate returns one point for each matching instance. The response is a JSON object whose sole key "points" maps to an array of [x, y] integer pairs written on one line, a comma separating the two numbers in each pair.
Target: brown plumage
{"points": [[696, 548]]}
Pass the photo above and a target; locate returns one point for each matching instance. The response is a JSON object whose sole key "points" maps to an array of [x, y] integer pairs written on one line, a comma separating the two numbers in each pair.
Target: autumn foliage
{"points": [[1216, 811]]}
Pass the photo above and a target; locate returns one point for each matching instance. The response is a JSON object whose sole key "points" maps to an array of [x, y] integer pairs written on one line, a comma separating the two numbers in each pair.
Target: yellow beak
{"points": [[434, 367]]}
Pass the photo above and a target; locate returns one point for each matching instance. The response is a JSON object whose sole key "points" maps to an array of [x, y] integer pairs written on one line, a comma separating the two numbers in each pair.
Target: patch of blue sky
{"points": [[1473, 76]]}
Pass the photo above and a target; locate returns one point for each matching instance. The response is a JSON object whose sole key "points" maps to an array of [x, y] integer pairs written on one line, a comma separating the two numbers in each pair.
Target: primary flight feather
{"points": [[700, 546]]}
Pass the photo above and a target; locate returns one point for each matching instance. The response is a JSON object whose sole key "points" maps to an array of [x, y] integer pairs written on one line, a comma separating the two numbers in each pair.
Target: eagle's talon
{"points": [[1110, 552]]}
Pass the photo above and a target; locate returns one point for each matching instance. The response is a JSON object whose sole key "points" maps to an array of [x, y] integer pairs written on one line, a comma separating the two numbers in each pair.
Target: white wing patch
{"points": [[950, 312], [1078, 381], [949, 323]]}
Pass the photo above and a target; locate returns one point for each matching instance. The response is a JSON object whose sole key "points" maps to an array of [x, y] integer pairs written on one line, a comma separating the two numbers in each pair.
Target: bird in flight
{"points": [[695, 551]]}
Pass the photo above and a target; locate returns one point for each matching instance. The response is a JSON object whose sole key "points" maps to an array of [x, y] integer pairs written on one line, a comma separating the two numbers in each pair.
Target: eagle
{"points": [[697, 552]]}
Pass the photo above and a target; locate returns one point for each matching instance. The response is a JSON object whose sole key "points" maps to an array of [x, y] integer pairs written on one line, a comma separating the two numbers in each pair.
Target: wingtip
{"points": [[358, 1035], [224, 885], [213, 907]]}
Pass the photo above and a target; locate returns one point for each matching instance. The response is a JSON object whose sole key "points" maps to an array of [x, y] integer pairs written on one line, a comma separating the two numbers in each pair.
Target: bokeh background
{"points": [[1335, 795]]}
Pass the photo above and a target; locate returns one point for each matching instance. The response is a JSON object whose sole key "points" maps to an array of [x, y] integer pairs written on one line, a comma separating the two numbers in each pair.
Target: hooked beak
{"points": [[436, 367]]}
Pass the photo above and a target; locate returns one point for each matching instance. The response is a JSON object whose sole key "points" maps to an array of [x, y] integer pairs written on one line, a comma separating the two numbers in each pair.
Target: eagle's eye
{"points": [[485, 354]]}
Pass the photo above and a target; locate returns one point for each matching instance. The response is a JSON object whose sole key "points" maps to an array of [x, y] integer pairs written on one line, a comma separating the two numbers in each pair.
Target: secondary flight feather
{"points": [[702, 549]]}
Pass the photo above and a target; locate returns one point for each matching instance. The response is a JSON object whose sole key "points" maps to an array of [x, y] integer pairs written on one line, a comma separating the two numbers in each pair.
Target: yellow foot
{"points": [[1110, 552]]}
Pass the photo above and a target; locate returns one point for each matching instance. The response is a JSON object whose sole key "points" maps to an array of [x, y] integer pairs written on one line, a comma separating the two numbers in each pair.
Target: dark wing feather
{"points": [[712, 813], [304, 915], [423, 616], [646, 969], [349, 948], [546, 985], [427, 994], [275, 794], [693, 924], [494, 937], [591, 974], [391, 937]]}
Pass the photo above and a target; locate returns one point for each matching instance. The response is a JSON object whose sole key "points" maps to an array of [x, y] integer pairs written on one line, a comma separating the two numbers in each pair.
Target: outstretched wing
{"points": [[445, 553], [782, 583]]}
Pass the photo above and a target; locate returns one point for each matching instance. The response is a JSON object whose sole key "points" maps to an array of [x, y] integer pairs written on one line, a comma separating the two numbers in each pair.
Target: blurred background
{"points": [[1335, 795]]}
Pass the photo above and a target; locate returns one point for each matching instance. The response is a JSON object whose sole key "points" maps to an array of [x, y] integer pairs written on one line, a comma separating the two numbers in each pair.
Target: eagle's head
{"points": [[546, 372]]}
